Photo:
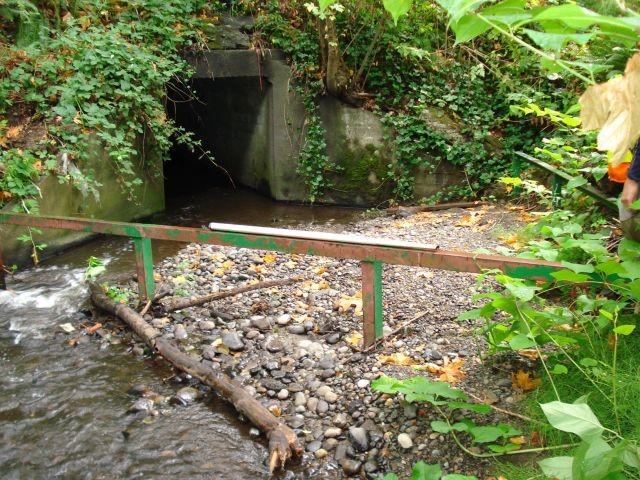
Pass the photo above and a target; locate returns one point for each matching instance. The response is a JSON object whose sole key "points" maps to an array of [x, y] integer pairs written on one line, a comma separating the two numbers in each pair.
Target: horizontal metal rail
{"points": [[371, 252], [560, 177]]}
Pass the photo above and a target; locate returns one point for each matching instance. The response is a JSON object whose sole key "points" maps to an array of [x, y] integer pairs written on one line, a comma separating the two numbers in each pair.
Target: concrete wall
{"points": [[255, 123], [62, 199]]}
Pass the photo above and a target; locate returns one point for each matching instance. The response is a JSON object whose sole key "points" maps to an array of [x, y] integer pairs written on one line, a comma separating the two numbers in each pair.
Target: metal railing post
{"points": [[556, 191], [144, 266], [3, 282], [372, 320]]}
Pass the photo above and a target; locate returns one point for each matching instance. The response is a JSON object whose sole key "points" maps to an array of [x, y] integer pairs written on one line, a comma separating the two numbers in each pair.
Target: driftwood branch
{"points": [[433, 208], [174, 304], [283, 442]]}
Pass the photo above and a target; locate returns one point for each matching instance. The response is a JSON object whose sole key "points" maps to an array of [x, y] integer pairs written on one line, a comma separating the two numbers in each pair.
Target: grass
{"points": [[625, 418]]}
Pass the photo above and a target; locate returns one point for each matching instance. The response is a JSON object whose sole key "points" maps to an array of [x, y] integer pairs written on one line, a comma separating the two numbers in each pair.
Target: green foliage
{"points": [[313, 161], [447, 400], [95, 268], [99, 79], [424, 471]]}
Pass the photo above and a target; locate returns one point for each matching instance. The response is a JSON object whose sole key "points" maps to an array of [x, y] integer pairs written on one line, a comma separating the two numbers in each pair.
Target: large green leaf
{"points": [[521, 341], [422, 471], [457, 476], [469, 27], [459, 8], [507, 13], [486, 434], [397, 8], [573, 418], [557, 467], [574, 16], [555, 42], [325, 3], [569, 276]]}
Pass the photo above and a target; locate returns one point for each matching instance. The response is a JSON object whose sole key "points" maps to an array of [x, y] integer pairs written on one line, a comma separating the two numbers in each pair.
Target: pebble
{"points": [[405, 441], [362, 383], [141, 405], [296, 329], [207, 325], [283, 320], [314, 446], [299, 399], [350, 467], [233, 341], [359, 438], [283, 394], [188, 394], [261, 323], [321, 453], [179, 332], [331, 397], [274, 345], [332, 432]]}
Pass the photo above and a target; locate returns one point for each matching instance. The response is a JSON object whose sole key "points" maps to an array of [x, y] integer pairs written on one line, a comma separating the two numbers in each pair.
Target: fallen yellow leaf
{"points": [[269, 258], [523, 381], [518, 440], [346, 303], [397, 359], [449, 372], [354, 339]]}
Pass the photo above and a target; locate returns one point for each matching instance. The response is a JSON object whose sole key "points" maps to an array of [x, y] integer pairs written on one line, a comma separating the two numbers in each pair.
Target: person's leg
{"points": [[629, 192]]}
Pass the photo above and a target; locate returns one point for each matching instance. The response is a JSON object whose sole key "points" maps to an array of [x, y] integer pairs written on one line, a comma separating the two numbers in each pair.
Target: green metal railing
{"points": [[371, 253], [559, 178]]}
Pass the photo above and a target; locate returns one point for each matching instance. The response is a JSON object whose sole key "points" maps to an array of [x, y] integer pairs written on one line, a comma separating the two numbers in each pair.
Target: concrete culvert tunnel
{"points": [[245, 114], [229, 117]]}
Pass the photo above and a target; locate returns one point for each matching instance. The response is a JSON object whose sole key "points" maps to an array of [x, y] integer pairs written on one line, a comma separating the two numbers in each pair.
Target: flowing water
{"points": [[63, 408]]}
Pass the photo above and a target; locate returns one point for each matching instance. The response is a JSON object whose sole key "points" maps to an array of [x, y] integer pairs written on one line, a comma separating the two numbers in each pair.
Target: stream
{"points": [[63, 408]]}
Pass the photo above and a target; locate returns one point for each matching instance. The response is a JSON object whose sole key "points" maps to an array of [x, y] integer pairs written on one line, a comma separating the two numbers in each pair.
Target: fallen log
{"points": [[283, 442], [173, 304]]}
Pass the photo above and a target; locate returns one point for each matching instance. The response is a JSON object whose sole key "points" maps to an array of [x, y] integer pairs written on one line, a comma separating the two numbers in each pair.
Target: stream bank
{"points": [[295, 347]]}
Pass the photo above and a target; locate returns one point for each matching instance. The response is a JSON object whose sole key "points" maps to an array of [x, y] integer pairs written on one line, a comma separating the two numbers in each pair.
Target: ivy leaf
{"points": [[573, 418], [576, 182], [397, 8], [557, 467], [422, 471], [624, 329]]}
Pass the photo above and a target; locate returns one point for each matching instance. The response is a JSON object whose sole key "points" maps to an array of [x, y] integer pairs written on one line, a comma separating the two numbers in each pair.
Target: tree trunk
{"points": [[283, 442]]}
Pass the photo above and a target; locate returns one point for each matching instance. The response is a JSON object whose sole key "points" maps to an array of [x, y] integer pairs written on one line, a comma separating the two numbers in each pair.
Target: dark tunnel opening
{"points": [[229, 117]]}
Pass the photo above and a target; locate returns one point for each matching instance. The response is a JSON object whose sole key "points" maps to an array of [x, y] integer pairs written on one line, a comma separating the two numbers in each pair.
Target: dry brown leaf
{"points": [[536, 441], [346, 303], [613, 108], [14, 132], [530, 353], [449, 372], [524, 382], [397, 359], [275, 410]]}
